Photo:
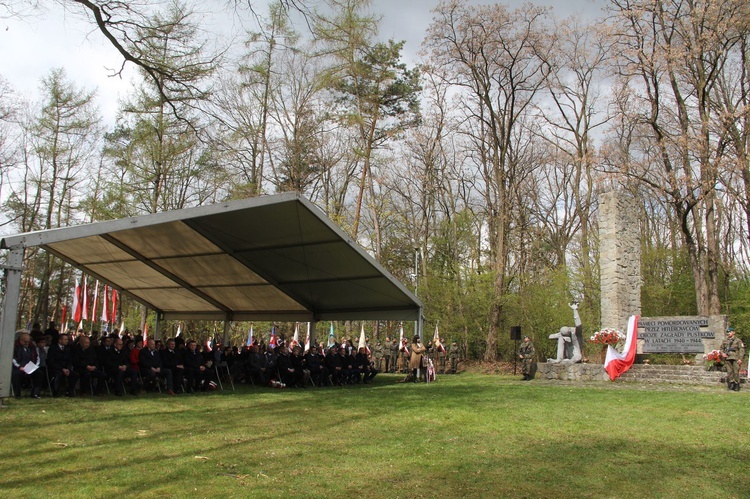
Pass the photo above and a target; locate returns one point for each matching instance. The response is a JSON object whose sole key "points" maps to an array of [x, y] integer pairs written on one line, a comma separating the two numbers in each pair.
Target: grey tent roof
{"points": [[267, 258]]}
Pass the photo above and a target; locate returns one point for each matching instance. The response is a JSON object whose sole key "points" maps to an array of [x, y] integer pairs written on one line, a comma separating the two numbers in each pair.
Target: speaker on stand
{"points": [[515, 335]]}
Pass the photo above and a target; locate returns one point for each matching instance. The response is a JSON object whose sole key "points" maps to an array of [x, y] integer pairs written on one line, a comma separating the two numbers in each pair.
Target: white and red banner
{"points": [[85, 315], [77, 302], [113, 316], [105, 304], [96, 304], [617, 363], [436, 340]]}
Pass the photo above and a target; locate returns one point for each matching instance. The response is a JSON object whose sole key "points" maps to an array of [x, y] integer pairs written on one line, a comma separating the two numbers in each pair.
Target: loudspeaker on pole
{"points": [[515, 332]]}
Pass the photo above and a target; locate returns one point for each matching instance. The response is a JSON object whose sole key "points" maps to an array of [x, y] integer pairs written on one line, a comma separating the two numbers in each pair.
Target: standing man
{"points": [[527, 355], [453, 352], [734, 350], [392, 356], [377, 353]]}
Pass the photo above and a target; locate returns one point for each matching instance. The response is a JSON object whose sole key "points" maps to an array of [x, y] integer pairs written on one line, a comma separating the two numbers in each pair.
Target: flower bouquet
{"points": [[607, 337], [715, 360]]}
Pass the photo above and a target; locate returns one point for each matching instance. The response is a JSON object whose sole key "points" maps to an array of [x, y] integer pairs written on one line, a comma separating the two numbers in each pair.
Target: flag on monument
{"points": [[272, 342], [85, 314], [250, 336], [617, 363], [209, 344], [77, 303], [122, 329], [179, 330]]}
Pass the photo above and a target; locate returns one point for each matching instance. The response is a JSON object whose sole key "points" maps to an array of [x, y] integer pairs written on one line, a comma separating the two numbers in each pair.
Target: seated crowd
{"points": [[89, 364]]}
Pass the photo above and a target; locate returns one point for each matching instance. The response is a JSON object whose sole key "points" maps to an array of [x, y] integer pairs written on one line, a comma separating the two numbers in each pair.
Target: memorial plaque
{"points": [[673, 334]]}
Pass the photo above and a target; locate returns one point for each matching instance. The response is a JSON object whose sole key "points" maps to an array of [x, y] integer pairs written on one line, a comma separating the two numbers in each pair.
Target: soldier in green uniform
{"points": [[527, 355], [377, 355], [453, 354], [734, 350], [441, 354], [392, 355]]}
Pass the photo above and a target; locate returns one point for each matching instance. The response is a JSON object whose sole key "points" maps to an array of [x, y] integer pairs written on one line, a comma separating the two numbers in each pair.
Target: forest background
{"points": [[472, 174]]}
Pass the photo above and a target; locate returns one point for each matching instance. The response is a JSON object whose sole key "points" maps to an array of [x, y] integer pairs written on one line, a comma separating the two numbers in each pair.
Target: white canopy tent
{"points": [[267, 258]]}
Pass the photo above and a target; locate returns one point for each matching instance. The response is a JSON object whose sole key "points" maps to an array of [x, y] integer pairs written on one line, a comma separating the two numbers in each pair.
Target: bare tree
{"points": [[496, 58]]}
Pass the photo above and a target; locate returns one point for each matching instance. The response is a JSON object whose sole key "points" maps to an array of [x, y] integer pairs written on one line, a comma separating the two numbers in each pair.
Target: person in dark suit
{"points": [[365, 367], [149, 361], [172, 360], [333, 364], [53, 333], [314, 365], [86, 364], [117, 366], [25, 355], [256, 367], [60, 364], [196, 371]]}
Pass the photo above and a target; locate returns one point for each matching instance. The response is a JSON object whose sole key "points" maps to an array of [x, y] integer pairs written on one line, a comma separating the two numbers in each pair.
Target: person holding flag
{"points": [[437, 342]]}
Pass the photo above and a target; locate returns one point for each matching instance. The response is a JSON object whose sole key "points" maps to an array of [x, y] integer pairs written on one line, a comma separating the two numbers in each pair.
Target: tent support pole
{"points": [[12, 270]]}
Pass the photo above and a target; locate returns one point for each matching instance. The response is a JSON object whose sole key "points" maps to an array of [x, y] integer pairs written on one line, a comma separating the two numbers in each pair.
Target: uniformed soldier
{"points": [[441, 357], [734, 350], [405, 361], [527, 355], [377, 355], [453, 353], [393, 356]]}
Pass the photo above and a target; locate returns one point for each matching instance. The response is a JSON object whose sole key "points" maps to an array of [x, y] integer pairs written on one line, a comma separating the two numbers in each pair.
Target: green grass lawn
{"points": [[469, 435]]}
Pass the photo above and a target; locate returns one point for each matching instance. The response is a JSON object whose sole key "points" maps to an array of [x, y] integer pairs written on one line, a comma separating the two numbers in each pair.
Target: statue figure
{"points": [[568, 346]]}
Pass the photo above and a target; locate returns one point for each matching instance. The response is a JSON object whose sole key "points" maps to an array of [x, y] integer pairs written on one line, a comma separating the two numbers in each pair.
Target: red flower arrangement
{"points": [[715, 356], [607, 337]]}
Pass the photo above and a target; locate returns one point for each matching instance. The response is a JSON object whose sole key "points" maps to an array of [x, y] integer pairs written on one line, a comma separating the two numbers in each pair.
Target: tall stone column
{"points": [[619, 259]]}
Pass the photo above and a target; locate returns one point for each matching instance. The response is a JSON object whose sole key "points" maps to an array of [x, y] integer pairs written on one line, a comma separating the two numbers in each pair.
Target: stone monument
{"points": [[619, 259], [568, 345]]}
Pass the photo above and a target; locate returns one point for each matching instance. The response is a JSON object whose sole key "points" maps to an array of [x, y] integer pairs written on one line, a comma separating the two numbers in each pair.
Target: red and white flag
{"points": [[64, 319], [113, 315], [145, 334], [77, 302], [295, 339], [85, 315], [436, 340], [307, 339], [616, 363], [105, 304], [96, 303]]}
